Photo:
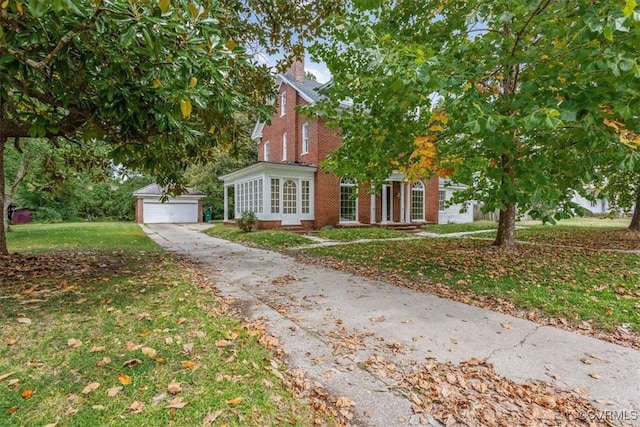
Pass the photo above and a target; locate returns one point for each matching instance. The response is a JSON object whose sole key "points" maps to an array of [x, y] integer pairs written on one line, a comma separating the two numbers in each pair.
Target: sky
{"points": [[318, 69]]}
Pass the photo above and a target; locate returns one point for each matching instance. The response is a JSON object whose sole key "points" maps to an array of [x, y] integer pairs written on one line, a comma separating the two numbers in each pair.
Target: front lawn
{"points": [[359, 233], [100, 327], [459, 228], [574, 284]]}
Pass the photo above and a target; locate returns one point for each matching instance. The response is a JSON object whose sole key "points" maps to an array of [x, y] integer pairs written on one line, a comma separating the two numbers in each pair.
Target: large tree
{"points": [[160, 81], [520, 100]]}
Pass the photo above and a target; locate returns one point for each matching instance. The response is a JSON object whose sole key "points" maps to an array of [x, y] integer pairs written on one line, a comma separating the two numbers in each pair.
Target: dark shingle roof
{"points": [[156, 190], [308, 87]]}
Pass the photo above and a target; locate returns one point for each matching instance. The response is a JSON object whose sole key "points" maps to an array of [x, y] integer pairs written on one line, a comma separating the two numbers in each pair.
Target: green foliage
{"points": [[247, 221], [526, 93]]}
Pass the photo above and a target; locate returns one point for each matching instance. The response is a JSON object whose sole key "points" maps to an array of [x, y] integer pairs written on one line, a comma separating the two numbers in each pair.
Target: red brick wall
{"points": [[139, 212]]}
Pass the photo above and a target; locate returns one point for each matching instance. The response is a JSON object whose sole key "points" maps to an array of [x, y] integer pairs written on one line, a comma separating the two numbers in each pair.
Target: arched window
{"points": [[289, 197], [417, 201], [348, 200]]}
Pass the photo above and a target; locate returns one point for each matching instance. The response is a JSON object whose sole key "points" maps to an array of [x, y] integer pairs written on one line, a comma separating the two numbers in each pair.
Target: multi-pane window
{"points": [[348, 200], [442, 198], [305, 138], [289, 197], [266, 151], [305, 197], [275, 195], [283, 103], [284, 147], [417, 201], [248, 195]]}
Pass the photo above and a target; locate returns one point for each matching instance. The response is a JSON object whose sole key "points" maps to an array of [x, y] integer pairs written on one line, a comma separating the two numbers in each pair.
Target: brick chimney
{"points": [[297, 70]]}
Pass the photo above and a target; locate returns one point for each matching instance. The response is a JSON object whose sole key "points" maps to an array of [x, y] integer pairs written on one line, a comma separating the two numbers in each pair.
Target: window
{"points": [[283, 103], [266, 151], [284, 147], [248, 196], [348, 200], [442, 198], [417, 201], [305, 138], [304, 197], [289, 197], [275, 195]]}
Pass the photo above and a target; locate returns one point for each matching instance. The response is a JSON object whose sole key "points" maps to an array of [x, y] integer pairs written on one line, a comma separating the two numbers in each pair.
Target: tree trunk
{"points": [[506, 238], [635, 219], [3, 205]]}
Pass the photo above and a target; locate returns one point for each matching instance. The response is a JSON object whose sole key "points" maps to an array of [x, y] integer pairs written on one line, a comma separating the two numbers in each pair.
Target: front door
{"points": [[290, 202], [387, 203]]}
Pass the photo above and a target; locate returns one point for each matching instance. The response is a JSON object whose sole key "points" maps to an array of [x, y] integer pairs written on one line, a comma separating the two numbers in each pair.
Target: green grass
{"points": [[351, 234], [576, 284], [268, 239], [459, 228], [108, 286]]}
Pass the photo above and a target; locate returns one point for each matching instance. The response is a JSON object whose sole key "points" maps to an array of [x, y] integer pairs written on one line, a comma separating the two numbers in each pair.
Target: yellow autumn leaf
{"points": [[234, 401], [5, 3], [164, 5], [193, 81], [231, 44], [27, 394], [124, 379], [185, 107], [193, 10], [19, 9], [156, 83], [188, 364]]}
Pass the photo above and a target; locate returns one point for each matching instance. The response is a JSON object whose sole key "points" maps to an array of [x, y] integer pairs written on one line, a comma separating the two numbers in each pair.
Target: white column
{"points": [[402, 203], [384, 204], [373, 208], [226, 203], [409, 186]]}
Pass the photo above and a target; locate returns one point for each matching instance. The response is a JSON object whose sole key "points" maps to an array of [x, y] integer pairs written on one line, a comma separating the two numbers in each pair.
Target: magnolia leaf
{"points": [[629, 7], [156, 83], [177, 403], [193, 81], [5, 3], [113, 391], [149, 352], [131, 363], [91, 387], [193, 10], [174, 387], [74, 343], [104, 361], [5, 376], [136, 407]]}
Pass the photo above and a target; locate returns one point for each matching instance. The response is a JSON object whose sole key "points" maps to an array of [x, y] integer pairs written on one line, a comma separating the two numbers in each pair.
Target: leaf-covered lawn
{"points": [[574, 284], [357, 233], [127, 335], [596, 238], [458, 228]]}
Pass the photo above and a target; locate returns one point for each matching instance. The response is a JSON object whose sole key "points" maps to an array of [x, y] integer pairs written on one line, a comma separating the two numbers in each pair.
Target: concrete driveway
{"points": [[308, 307]]}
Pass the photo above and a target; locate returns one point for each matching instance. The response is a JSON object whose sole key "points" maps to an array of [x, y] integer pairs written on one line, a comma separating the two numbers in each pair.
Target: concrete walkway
{"points": [[306, 304]]}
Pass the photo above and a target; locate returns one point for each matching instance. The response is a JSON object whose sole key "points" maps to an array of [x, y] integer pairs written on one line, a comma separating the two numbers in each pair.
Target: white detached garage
{"points": [[186, 208]]}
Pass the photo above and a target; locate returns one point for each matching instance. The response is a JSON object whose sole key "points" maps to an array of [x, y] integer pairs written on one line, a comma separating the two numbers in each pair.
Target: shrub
{"points": [[247, 221]]}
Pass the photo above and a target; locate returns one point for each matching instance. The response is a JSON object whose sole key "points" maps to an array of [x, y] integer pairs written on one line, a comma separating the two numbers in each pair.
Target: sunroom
{"points": [[279, 194]]}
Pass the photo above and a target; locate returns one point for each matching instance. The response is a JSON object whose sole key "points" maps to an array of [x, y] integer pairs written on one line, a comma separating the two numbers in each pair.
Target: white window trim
{"points": [[444, 201], [354, 184], [283, 103], [285, 146], [305, 138], [266, 151], [422, 190]]}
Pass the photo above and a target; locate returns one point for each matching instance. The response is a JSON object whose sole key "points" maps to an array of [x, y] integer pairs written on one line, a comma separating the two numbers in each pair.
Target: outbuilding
{"points": [[151, 209]]}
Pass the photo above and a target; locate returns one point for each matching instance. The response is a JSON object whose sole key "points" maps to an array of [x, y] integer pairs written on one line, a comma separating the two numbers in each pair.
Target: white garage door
{"points": [[156, 212]]}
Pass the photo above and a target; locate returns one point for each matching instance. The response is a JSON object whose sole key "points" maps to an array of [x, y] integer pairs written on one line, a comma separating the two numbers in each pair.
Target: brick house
{"points": [[287, 186]]}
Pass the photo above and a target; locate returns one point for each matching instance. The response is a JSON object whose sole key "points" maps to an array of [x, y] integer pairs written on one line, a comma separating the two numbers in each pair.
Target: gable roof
{"points": [[156, 190]]}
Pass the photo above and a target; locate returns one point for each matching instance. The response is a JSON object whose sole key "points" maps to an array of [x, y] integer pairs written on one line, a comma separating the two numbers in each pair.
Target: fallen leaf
{"points": [[131, 363], [13, 382], [187, 348], [177, 403], [144, 316], [91, 387], [5, 376], [13, 409], [595, 376], [11, 341], [234, 401], [136, 407], [210, 418], [343, 402], [74, 343], [174, 387], [188, 364], [149, 352], [26, 394], [104, 361], [97, 349], [586, 361], [124, 379], [113, 391], [98, 407], [24, 320], [158, 398], [507, 325]]}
